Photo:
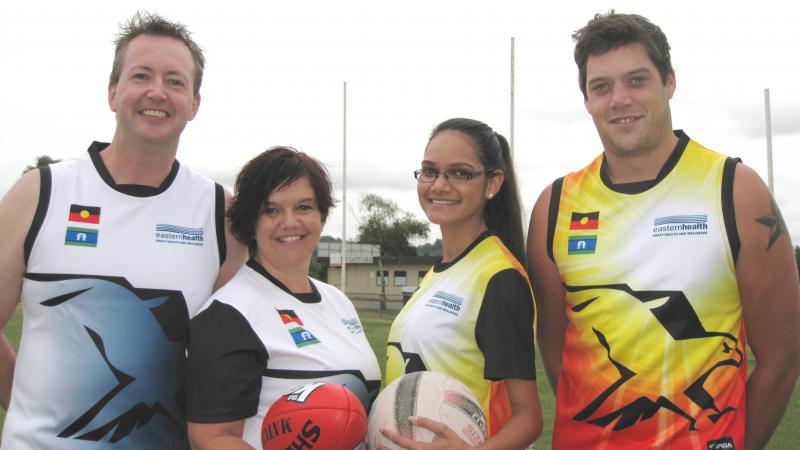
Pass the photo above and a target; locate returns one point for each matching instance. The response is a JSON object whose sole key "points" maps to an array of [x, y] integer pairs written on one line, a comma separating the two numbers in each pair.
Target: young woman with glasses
{"points": [[472, 316]]}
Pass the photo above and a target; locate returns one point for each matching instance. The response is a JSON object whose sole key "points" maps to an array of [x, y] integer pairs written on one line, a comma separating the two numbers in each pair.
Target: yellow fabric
{"points": [[655, 318], [438, 326]]}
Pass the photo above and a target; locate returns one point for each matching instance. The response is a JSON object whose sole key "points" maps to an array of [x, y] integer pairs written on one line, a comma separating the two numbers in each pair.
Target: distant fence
{"points": [[370, 300]]}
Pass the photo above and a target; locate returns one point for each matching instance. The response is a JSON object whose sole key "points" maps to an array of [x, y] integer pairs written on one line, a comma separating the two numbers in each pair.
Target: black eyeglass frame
{"points": [[447, 173]]}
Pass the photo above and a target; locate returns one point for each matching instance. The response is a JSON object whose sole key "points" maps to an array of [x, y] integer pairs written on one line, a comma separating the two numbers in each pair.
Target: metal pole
{"points": [[769, 141], [511, 135], [344, 189]]}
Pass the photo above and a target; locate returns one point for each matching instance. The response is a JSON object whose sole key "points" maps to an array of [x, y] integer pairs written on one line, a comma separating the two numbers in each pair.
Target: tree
{"points": [[429, 249], [41, 161], [384, 224]]}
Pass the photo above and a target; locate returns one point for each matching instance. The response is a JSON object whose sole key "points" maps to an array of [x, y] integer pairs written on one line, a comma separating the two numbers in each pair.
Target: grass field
{"points": [[377, 326]]}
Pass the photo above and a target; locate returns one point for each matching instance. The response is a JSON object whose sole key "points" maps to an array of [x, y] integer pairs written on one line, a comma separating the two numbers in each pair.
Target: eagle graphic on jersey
{"points": [[121, 356], [413, 361], [675, 314]]}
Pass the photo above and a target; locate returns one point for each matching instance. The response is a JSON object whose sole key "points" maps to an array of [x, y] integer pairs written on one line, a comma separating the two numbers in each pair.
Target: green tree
{"points": [[428, 249], [41, 161], [385, 224]]}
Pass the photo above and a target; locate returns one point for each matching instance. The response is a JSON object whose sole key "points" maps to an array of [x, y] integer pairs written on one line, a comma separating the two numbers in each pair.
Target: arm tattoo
{"points": [[773, 221]]}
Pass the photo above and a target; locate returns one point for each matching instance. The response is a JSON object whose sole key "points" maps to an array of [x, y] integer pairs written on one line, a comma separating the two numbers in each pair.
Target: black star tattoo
{"points": [[774, 221]]}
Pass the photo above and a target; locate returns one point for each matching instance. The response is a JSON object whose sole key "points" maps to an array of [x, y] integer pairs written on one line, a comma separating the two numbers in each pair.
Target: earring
{"points": [[491, 195]]}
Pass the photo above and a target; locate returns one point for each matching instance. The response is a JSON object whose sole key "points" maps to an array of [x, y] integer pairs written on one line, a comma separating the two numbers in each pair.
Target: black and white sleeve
{"points": [[226, 360]]}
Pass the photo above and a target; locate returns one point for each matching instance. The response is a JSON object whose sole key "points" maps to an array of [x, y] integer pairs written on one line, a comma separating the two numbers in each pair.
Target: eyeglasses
{"points": [[450, 175]]}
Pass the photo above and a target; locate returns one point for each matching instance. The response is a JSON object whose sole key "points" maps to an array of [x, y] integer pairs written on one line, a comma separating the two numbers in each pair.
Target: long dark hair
{"points": [[503, 212]]}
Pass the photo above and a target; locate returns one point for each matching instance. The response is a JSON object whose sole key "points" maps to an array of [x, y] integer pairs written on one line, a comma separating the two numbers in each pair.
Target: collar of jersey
{"points": [[134, 190], [440, 266], [642, 186], [306, 297]]}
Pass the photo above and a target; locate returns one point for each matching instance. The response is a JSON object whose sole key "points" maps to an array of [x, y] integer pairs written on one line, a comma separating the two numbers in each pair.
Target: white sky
{"points": [[275, 73]]}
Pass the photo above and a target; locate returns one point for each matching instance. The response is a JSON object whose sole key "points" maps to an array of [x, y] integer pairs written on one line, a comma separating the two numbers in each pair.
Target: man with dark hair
{"points": [[110, 254], [652, 264]]}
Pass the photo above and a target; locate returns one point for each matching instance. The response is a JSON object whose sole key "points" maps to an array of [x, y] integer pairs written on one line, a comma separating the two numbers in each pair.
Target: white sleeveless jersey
{"points": [[114, 273], [298, 342]]}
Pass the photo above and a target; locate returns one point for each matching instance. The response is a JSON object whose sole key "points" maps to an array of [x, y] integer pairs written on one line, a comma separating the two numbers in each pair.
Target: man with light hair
{"points": [[111, 253]]}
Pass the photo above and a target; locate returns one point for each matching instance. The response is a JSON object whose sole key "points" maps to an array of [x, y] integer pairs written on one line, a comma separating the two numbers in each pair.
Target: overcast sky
{"points": [[275, 73]]}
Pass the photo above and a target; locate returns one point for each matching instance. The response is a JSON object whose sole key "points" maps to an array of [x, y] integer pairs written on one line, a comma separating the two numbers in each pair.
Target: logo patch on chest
{"points": [[680, 225], [295, 327], [446, 302], [83, 226], [587, 225], [353, 325], [174, 234]]}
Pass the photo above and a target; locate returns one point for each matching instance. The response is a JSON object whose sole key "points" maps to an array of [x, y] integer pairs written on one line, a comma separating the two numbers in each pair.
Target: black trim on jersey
{"points": [[373, 386], [552, 215], [440, 266], [288, 374], [305, 297], [219, 221], [223, 370], [134, 190], [728, 212], [642, 186], [504, 328], [45, 186]]}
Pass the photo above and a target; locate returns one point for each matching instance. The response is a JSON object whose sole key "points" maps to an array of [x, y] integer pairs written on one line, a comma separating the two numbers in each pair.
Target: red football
{"points": [[323, 416]]}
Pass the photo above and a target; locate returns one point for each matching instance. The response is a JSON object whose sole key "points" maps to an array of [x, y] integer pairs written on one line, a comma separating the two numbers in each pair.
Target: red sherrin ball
{"points": [[323, 416]]}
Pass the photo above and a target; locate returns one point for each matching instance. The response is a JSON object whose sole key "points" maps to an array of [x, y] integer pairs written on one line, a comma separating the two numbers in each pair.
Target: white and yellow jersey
{"points": [[472, 319]]}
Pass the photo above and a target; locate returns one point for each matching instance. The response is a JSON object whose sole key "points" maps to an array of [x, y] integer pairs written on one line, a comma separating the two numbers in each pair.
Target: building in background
{"points": [[401, 274]]}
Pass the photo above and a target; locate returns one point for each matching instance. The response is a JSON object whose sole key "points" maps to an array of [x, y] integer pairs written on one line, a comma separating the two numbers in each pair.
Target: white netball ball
{"points": [[426, 394]]}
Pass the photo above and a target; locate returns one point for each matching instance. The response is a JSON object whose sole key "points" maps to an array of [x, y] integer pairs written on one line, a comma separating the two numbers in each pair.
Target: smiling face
{"points": [[629, 102], [289, 229], [154, 98], [455, 205]]}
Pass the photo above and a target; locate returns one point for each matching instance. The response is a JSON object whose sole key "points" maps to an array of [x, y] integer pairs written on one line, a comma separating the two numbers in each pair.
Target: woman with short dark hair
{"points": [[272, 327]]}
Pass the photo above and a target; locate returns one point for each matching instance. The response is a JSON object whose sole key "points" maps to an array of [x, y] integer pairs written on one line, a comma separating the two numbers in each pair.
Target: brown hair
{"points": [[608, 31], [151, 24]]}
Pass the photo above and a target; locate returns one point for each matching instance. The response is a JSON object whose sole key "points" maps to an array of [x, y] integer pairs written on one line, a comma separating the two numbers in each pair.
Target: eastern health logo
{"points": [[294, 325], [83, 226], [353, 325], [445, 301], [174, 234], [680, 225], [586, 242]]}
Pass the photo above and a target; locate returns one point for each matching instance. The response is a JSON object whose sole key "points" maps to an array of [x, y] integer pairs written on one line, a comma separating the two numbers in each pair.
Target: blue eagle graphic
{"points": [[123, 378]]}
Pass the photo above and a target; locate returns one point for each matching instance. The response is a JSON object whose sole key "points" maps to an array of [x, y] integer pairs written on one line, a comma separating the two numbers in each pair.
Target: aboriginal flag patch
{"points": [[83, 226], [585, 221]]}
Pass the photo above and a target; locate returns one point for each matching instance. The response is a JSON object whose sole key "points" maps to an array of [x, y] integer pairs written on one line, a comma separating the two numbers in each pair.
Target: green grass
{"points": [[376, 327]]}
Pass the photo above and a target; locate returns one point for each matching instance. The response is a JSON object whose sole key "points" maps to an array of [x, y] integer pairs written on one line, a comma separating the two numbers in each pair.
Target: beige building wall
{"points": [[363, 283]]}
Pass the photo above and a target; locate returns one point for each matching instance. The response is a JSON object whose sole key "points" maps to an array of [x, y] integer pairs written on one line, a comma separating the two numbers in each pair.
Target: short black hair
{"points": [[271, 170]]}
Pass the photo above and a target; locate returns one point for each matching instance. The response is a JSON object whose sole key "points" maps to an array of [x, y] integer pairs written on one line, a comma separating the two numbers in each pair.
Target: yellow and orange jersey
{"points": [[654, 353]]}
